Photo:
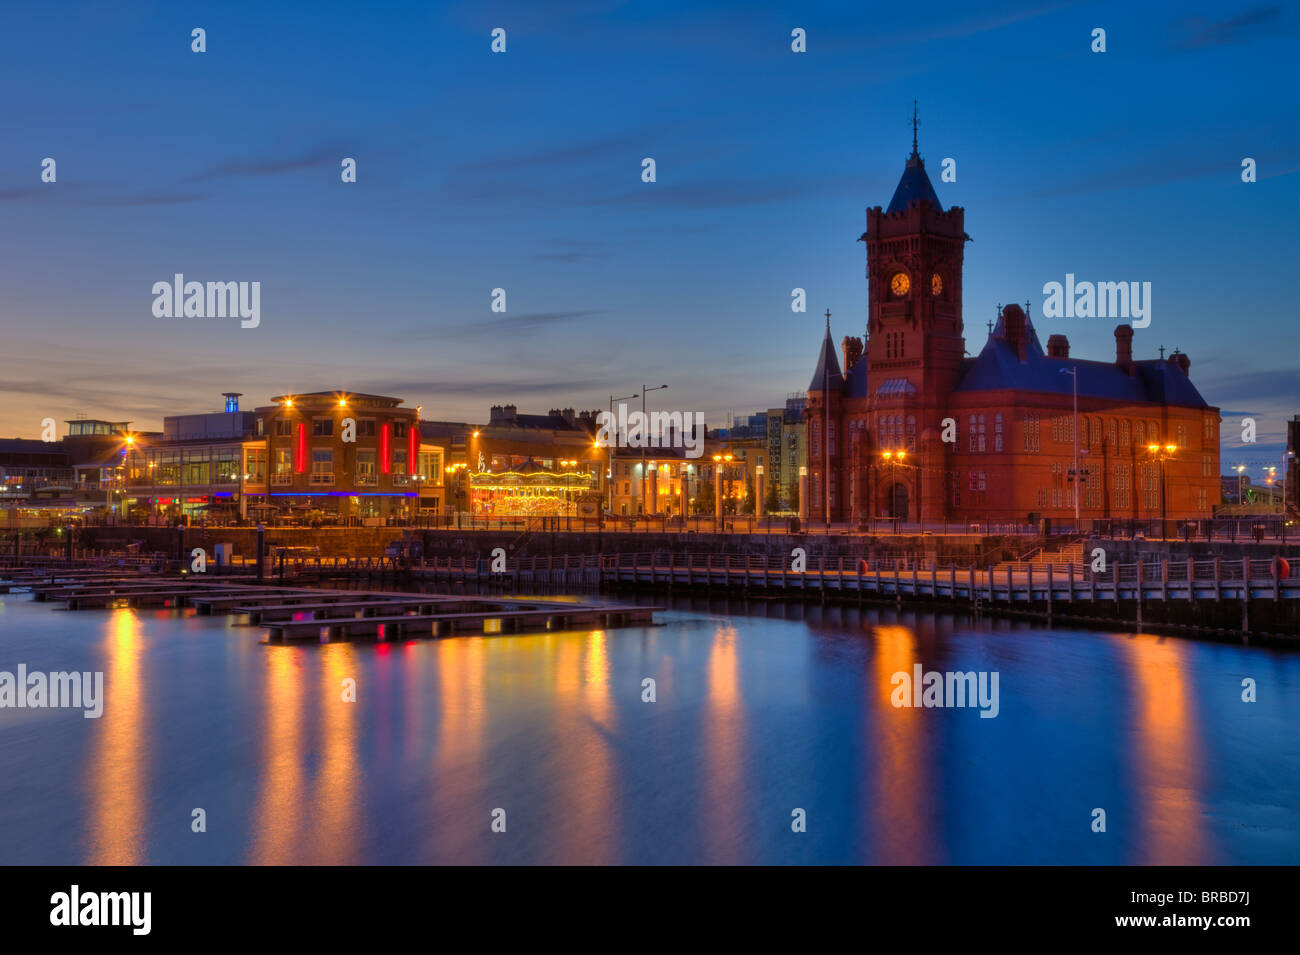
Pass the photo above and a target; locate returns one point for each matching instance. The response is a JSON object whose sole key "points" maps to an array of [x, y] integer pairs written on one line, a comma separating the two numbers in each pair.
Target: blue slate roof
{"points": [[914, 185], [855, 385], [827, 363], [998, 367]]}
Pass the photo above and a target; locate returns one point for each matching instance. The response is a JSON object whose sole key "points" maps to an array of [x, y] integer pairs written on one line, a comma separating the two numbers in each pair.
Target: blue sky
{"points": [[522, 171]]}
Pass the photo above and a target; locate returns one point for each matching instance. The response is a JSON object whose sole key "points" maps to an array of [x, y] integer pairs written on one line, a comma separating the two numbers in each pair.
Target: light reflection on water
{"points": [[754, 717]]}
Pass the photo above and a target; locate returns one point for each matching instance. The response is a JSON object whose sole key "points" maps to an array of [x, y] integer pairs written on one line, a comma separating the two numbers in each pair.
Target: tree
{"points": [[792, 497], [747, 505], [772, 498], [703, 503]]}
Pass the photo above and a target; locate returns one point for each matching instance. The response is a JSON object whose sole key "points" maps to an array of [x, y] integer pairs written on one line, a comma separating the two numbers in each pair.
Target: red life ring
{"points": [[1281, 568]]}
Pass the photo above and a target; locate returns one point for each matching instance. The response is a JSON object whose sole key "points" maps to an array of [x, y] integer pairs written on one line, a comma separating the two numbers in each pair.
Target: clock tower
{"points": [[914, 264]]}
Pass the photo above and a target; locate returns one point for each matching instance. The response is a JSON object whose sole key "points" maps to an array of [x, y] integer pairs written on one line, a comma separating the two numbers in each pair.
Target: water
{"points": [[756, 716]]}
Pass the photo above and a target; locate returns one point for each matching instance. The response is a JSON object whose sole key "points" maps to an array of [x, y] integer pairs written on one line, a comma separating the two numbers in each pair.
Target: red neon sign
{"points": [[413, 455], [300, 459], [383, 447]]}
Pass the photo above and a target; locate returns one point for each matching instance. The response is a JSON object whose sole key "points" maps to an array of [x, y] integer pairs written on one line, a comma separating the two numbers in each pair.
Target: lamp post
{"points": [[1074, 473], [1239, 469], [610, 446], [645, 438], [894, 458], [1162, 454]]}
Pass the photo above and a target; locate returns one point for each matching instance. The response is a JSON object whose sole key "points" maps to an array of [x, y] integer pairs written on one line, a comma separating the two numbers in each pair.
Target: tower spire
{"points": [[915, 123], [828, 321]]}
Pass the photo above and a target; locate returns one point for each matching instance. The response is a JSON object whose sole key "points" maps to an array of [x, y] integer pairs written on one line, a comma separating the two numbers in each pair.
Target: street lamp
{"points": [[645, 438], [610, 446], [1163, 454], [1239, 469], [1074, 474], [894, 458]]}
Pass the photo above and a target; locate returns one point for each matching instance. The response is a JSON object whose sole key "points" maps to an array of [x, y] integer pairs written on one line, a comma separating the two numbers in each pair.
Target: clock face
{"points": [[900, 283], [936, 284]]}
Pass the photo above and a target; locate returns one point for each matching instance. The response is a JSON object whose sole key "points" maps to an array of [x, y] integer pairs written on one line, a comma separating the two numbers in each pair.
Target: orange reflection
{"points": [[281, 803], [1167, 768], [459, 665], [724, 754], [902, 794], [336, 837], [116, 782], [587, 810]]}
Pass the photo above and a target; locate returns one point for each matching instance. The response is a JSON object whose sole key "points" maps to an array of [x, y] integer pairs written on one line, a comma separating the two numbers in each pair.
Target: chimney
{"points": [[1182, 361], [510, 411], [1124, 347], [1013, 326], [567, 414], [1058, 346], [852, 348]]}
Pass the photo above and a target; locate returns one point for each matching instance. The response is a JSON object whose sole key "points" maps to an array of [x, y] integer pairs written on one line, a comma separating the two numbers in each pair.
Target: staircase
{"points": [[1061, 560]]}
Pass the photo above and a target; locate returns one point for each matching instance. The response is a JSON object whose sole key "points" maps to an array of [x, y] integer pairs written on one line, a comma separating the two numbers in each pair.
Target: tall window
{"points": [[997, 431], [976, 439], [1123, 486], [1150, 487], [322, 466], [1032, 442], [366, 472], [255, 464]]}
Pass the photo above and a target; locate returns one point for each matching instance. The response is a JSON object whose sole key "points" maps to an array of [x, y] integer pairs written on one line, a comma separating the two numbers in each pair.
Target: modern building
{"points": [[329, 456], [912, 428], [1291, 477]]}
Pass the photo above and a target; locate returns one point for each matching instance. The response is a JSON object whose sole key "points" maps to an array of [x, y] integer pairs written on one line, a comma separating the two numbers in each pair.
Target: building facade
{"points": [[329, 456], [522, 465], [909, 427]]}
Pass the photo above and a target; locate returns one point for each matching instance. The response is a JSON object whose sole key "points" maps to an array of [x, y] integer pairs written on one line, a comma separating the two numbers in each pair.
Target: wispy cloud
{"points": [[272, 165], [1198, 32]]}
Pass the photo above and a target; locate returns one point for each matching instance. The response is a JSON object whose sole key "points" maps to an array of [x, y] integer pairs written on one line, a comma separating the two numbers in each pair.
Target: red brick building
{"points": [[910, 427]]}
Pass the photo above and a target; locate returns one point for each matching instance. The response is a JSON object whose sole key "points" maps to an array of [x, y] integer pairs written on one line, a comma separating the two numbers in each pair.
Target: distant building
{"points": [[1291, 478], [521, 465], [914, 429], [337, 455]]}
